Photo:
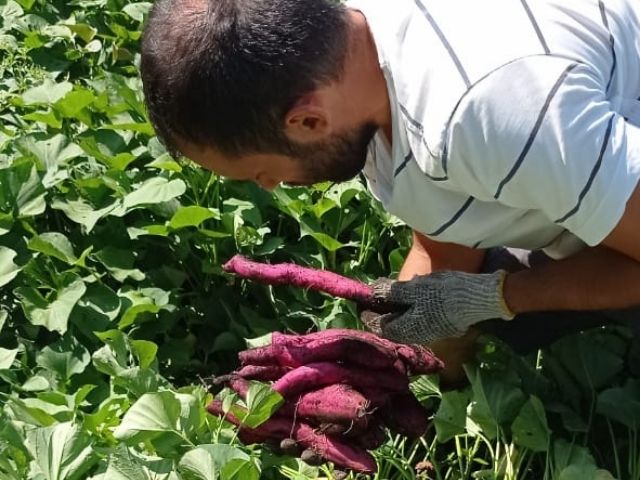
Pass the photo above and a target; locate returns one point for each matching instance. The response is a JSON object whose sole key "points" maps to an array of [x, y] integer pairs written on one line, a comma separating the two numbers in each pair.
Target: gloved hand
{"points": [[439, 305]]}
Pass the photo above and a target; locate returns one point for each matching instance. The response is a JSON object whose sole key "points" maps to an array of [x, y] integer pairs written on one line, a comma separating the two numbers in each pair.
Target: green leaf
{"points": [[146, 300], [329, 243], [73, 102], [7, 357], [82, 212], [29, 414], [206, 462], [22, 192], [572, 462], [240, 469], [8, 42], [145, 351], [36, 383], [192, 216], [496, 400], [530, 428], [52, 314], [112, 359], [155, 414], [137, 11], [48, 117], [65, 358], [54, 244], [152, 415], [622, 404], [102, 299], [152, 191], [119, 263], [450, 419], [8, 269], [165, 162], [46, 93], [262, 402], [3, 315], [84, 31], [60, 452], [53, 151], [131, 314], [591, 372], [127, 464], [261, 341]]}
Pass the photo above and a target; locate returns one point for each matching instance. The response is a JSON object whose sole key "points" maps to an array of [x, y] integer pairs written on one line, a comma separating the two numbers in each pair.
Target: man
{"points": [[500, 123]]}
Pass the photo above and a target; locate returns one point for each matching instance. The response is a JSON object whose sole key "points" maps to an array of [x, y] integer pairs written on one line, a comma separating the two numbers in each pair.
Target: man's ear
{"points": [[308, 120]]}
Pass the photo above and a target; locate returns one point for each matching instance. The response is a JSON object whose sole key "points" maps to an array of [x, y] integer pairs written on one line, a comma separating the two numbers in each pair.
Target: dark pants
{"points": [[530, 331]]}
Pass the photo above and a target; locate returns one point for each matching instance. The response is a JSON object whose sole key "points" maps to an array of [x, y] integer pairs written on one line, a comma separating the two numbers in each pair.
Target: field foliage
{"points": [[114, 310]]}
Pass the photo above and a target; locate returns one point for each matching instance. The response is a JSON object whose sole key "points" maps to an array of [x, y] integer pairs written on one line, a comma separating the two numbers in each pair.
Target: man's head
{"points": [[249, 81]]}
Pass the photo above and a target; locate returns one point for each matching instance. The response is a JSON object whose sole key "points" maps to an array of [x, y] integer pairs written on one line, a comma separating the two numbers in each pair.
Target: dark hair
{"points": [[223, 73]]}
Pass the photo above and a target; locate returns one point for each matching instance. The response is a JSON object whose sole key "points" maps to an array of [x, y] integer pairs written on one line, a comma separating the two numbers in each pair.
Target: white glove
{"points": [[439, 305]]}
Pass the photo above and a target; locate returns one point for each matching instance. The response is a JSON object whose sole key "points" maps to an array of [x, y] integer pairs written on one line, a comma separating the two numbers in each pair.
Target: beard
{"points": [[336, 159]]}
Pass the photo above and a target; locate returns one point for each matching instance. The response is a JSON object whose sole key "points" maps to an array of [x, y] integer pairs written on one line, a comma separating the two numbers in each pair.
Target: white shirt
{"points": [[515, 122]]}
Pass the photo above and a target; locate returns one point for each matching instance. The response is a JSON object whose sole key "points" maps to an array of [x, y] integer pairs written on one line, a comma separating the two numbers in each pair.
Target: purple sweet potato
{"points": [[334, 450], [296, 275], [404, 414], [280, 355], [317, 375], [336, 345], [342, 345], [418, 359], [278, 428], [274, 428], [336, 403], [262, 372], [239, 385]]}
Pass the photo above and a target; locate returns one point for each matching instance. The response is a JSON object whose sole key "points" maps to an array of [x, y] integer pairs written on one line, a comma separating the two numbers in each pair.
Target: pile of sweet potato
{"points": [[341, 389]]}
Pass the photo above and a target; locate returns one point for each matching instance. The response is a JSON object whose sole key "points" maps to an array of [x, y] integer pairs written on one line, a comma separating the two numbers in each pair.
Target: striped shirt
{"points": [[515, 122]]}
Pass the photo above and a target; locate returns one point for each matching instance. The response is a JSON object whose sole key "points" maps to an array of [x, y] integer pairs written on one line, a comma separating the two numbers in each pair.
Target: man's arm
{"points": [[625, 238], [601, 278], [428, 256]]}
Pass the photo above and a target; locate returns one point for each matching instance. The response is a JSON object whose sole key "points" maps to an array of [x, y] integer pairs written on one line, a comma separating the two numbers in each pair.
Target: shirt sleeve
{"points": [[542, 134]]}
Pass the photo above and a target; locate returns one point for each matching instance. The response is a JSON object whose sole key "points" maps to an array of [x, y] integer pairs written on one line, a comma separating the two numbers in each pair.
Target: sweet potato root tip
{"points": [[311, 458], [304, 277], [419, 359], [267, 355], [290, 447]]}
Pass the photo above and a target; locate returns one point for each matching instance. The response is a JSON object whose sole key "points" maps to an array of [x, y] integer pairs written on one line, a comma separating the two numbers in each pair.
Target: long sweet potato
{"points": [[334, 404], [296, 275], [316, 375], [337, 451], [278, 428], [333, 348], [418, 359]]}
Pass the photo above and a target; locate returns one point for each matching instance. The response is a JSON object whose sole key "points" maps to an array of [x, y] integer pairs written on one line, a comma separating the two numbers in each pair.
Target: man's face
{"points": [[337, 158]]}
